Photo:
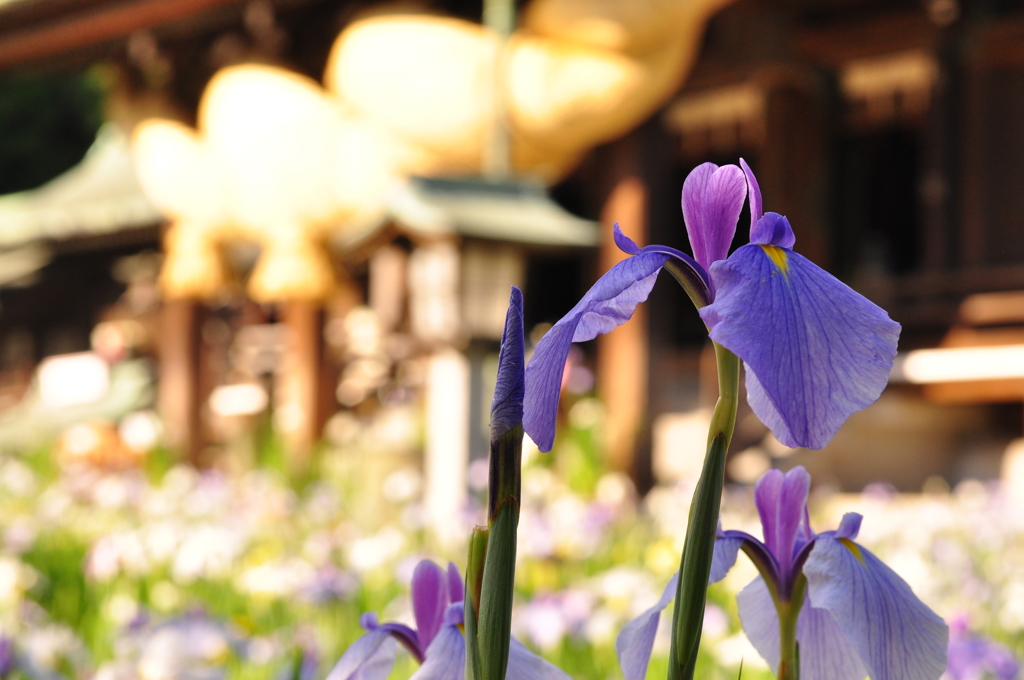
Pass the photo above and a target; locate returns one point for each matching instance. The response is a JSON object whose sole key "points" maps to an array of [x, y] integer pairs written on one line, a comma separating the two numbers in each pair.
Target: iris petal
{"points": [[773, 229], [454, 583], [623, 242], [371, 657], [895, 635], [446, 657], [727, 546], [825, 654], [609, 303], [815, 350], [636, 639], [712, 200], [760, 620], [754, 191], [849, 527], [429, 594], [507, 406], [523, 664], [781, 502]]}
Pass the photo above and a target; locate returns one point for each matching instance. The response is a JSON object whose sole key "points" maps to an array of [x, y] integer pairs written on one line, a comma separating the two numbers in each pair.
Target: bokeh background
{"points": [[254, 262]]}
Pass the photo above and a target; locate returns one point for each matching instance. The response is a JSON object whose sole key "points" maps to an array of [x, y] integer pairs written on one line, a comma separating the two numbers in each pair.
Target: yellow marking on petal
{"points": [[779, 257], [853, 547]]}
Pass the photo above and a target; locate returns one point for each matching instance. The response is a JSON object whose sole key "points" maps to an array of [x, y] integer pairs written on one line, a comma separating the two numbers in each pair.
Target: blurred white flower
{"points": [[371, 552], [281, 578]]}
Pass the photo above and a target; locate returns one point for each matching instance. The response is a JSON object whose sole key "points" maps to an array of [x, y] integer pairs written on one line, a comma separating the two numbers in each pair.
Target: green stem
{"points": [[471, 610], [494, 622], [491, 570], [789, 612], [699, 545]]}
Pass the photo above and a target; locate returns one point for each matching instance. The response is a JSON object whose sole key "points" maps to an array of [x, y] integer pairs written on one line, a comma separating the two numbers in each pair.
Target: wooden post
{"points": [[297, 412], [622, 354], [179, 396], [793, 168]]}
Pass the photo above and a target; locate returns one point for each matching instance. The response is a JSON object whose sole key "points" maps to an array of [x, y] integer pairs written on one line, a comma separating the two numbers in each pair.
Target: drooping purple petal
{"points": [[507, 406], [773, 230], [728, 543], [896, 636], [371, 657], [636, 639], [454, 584], [781, 502], [760, 620], [699, 276], [525, 665], [623, 242], [825, 654], [712, 200], [815, 350], [609, 303], [429, 595], [727, 546], [446, 656], [406, 636], [754, 192]]}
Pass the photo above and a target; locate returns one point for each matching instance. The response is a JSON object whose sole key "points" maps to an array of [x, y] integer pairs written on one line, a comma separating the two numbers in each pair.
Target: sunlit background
{"points": [[254, 262]]}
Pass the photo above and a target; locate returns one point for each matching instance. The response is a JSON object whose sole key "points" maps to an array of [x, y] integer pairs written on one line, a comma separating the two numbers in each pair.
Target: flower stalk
{"points": [[789, 612], [492, 558], [699, 545]]}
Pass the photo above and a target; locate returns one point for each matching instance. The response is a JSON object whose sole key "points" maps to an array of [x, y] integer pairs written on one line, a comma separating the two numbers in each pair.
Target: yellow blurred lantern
{"points": [[274, 161], [282, 162], [577, 73]]}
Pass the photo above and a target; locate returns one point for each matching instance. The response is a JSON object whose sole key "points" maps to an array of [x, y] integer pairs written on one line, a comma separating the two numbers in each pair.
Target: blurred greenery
{"points": [[47, 122]]}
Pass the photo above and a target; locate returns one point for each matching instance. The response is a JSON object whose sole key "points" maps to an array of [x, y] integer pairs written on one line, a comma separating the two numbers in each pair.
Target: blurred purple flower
{"points": [[815, 351], [858, 619], [7, 656], [328, 584], [437, 643], [973, 657]]}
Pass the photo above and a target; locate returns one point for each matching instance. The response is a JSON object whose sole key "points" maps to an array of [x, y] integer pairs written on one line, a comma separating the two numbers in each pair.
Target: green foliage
{"points": [[47, 122]]}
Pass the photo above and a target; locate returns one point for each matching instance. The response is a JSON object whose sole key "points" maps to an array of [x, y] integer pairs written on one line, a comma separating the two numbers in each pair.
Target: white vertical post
{"points": [[1013, 472], [447, 442]]}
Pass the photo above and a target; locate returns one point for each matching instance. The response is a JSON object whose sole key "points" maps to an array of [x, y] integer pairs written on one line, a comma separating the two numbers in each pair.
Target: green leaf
{"points": [[699, 545], [474, 580], [495, 622]]}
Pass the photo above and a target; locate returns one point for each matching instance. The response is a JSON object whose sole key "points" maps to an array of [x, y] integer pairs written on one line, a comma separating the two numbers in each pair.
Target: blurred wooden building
{"points": [[890, 133]]}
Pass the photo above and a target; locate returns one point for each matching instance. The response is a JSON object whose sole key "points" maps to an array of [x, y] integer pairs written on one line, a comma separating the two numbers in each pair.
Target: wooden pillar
{"points": [[297, 412], [971, 244], [179, 396], [938, 144], [793, 165], [622, 354]]}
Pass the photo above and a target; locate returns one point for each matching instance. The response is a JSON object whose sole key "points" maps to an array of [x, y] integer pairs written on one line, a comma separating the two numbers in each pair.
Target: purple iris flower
{"points": [[858, 619], [973, 657], [814, 350], [437, 643]]}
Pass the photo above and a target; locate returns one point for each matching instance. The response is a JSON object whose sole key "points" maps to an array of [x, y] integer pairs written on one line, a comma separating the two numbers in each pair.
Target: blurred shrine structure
{"points": [[888, 132]]}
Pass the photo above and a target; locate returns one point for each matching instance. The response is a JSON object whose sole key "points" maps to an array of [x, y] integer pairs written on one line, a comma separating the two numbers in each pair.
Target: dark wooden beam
{"points": [[94, 26]]}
